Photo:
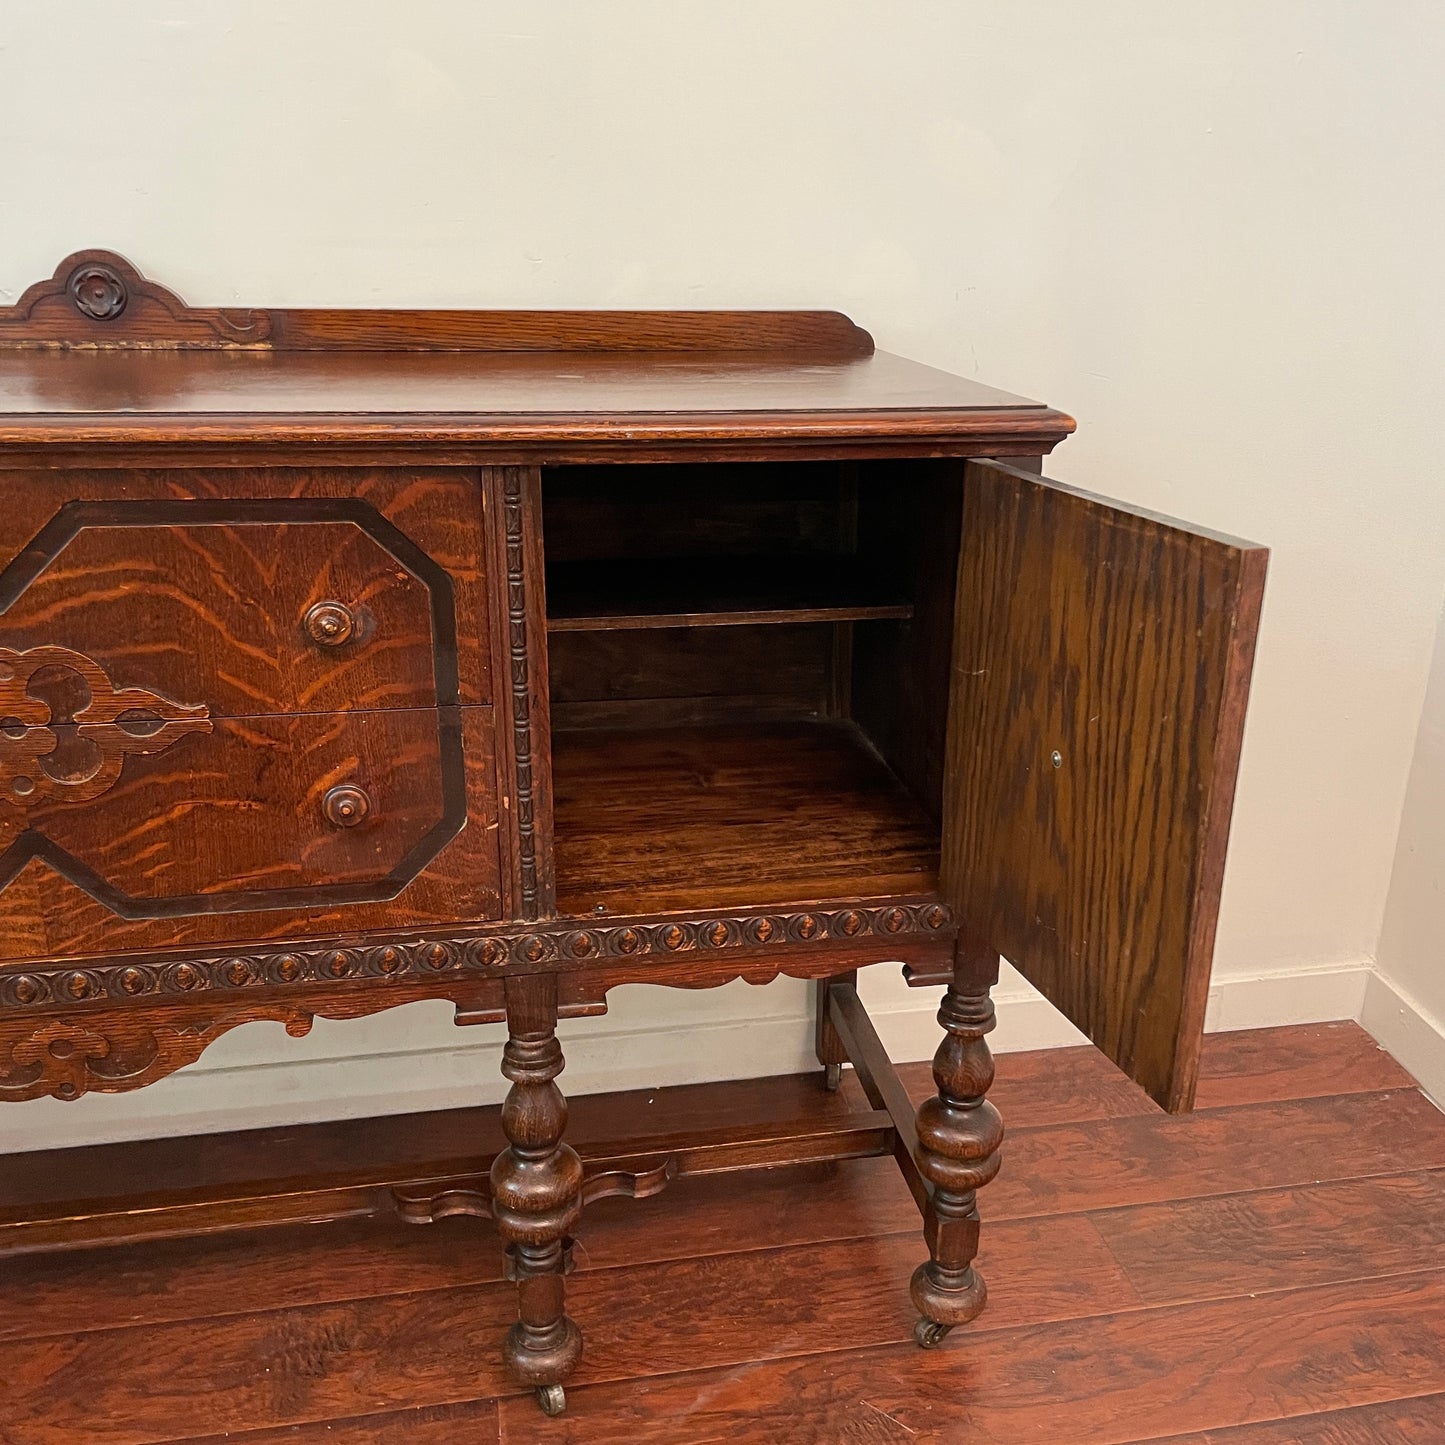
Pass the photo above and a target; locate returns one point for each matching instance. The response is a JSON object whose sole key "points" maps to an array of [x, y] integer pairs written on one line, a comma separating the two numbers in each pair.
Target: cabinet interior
{"points": [[749, 669]]}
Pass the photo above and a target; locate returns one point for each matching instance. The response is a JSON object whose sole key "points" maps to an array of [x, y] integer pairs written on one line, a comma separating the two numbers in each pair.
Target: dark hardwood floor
{"points": [[1269, 1269]]}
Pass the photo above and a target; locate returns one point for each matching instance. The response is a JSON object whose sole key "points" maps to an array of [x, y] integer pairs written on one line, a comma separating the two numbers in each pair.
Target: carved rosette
{"points": [[98, 290]]}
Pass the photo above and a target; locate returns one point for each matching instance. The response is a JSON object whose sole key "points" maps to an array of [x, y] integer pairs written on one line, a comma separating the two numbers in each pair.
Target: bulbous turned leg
{"points": [[959, 1133], [537, 1192]]}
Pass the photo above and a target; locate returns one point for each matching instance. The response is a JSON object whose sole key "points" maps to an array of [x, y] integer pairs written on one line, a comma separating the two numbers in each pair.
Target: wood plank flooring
{"points": [[1269, 1269]]}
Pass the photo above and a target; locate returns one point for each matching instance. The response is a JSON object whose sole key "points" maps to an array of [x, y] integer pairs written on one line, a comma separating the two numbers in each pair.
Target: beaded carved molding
{"points": [[521, 687], [561, 945]]}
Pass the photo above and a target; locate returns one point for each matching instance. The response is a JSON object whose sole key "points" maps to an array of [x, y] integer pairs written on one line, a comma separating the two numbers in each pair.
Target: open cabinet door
{"points": [[1101, 667]]}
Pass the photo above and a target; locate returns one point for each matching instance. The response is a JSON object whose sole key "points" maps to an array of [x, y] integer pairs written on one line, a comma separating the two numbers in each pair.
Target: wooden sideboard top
{"points": [[99, 354]]}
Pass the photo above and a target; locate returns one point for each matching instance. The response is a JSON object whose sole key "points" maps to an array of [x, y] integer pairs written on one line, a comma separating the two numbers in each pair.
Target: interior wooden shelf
{"points": [[714, 592], [740, 815]]}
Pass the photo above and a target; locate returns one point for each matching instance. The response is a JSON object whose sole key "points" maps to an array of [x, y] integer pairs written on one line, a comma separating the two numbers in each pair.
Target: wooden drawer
{"points": [[242, 703], [296, 823], [252, 592]]}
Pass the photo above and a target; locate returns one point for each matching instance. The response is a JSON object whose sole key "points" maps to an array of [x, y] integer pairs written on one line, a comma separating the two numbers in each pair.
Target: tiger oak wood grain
{"points": [[212, 611], [239, 811], [1098, 705]]}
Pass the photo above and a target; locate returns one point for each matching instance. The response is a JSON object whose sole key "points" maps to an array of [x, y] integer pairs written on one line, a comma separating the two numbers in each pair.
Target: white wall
{"points": [[1405, 1005], [1209, 230]]}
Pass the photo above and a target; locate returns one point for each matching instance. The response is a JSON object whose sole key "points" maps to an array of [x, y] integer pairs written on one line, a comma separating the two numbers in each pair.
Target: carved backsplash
{"points": [[98, 299]]}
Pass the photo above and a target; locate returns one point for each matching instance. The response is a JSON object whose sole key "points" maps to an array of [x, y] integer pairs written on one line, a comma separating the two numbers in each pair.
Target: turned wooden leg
{"points": [[959, 1133], [831, 1052], [537, 1192]]}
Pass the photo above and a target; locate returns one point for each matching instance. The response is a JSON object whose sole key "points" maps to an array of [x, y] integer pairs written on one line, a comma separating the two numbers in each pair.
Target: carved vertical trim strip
{"points": [[513, 525]]}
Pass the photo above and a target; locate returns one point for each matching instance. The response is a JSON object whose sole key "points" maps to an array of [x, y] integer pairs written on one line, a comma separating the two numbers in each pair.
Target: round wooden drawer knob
{"points": [[329, 623], [345, 806]]}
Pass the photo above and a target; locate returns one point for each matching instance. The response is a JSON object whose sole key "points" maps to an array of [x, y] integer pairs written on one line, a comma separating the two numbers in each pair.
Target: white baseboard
{"points": [[1318, 994], [1405, 1029], [414, 1059]]}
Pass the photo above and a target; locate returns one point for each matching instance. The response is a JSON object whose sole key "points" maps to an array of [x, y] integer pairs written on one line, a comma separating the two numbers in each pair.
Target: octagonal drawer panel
{"points": [[254, 591], [142, 833]]}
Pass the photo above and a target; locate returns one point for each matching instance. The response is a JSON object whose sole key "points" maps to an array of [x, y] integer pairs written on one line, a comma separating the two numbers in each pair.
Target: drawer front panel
{"points": [[119, 835], [254, 592]]}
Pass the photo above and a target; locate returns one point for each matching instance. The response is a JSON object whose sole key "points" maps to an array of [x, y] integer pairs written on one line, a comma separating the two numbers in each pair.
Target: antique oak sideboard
{"points": [[351, 658]]}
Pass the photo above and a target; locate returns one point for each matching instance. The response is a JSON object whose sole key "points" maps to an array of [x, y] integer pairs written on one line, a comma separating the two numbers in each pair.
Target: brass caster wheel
{"points": [[929, 1334], [552, 1399], [832, 1077]]}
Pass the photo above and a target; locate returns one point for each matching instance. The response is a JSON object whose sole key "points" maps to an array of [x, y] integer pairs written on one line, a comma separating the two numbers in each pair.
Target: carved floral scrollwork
{"points": [[66, 730], [65, 1058]]}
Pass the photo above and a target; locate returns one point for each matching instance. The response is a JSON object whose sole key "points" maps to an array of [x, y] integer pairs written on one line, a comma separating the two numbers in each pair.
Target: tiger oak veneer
{"points": [[350, 658]]}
